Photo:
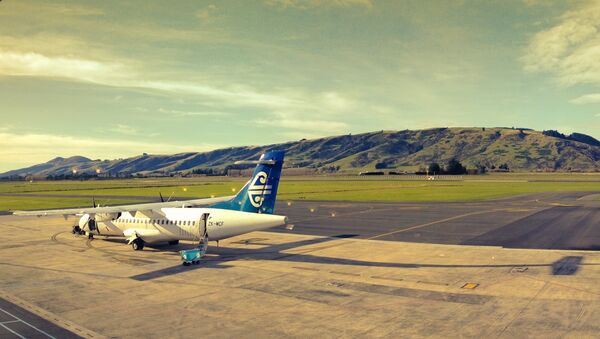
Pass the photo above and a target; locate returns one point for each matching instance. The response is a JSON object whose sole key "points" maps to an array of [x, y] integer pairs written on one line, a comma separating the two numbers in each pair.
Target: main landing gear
{"points": [[78, 231], [137, 244]]}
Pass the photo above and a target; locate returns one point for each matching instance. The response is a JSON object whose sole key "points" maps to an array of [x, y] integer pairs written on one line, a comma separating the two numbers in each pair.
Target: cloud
{"points": [[178, 113], [50, 9], [587, 99], [336, 101], [531, 3], [323, 126], [310, 4], [235, 96], [121, 74], [125, 129], [35, 64], [207, 13], [29, 149], [570, 50]]}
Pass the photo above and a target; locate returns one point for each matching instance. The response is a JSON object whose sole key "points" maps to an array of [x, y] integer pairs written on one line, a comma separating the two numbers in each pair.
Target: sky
{"points": [[111, 79]]}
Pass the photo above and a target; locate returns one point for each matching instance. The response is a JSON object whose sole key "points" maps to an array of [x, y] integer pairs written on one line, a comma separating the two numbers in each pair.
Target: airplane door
{"points": [[202, 226]]}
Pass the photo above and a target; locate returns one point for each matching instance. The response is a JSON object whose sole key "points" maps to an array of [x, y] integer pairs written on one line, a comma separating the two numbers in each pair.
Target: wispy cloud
{"points": [[207, 13], [570, 50], [322, 126], [587, 99], [35, 64], [29, 149], [310, 4], [119, 74], [50, 9], [124, 129], [178, 113]]}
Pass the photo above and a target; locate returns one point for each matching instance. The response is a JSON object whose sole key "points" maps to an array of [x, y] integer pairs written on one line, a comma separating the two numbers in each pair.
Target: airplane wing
{"points": [[124, 208]]}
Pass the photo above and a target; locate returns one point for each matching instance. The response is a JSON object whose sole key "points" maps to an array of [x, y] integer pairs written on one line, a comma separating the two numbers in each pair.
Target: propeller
{"points": [[161, 197]]}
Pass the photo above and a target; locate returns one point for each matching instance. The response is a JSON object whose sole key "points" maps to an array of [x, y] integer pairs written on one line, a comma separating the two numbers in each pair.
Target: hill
{"points": [[520, 149]]}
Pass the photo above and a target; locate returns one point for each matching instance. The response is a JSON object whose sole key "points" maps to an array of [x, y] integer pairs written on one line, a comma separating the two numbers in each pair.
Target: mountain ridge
{"points": [[521, 149]]}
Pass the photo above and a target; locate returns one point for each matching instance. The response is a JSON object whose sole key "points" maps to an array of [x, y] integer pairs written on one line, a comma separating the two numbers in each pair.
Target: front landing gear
{"points": [[137, 244]]}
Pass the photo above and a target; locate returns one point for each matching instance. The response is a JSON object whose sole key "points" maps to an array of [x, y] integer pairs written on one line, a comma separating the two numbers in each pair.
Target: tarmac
{"points": [[345, 270], [566, 220]]}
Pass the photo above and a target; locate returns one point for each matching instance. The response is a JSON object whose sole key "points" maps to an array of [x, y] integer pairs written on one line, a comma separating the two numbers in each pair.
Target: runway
{"points": [[537, 221]]}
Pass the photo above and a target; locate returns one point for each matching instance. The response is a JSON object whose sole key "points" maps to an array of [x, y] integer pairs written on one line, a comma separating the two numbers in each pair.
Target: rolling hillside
{"points": [[521, 150]]}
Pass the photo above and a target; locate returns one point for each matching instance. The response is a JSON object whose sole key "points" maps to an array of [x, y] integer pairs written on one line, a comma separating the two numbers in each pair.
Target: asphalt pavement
{"points": [[544, 221]]}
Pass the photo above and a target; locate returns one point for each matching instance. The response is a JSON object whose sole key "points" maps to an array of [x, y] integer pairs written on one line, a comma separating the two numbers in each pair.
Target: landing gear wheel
{"points": [[76, 230], [186, 264], [90, 236], [137, 244], [174, 242]]}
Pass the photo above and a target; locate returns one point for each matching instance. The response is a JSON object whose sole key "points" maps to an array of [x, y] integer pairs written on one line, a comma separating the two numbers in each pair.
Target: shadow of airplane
{"points": [[276, 252]]}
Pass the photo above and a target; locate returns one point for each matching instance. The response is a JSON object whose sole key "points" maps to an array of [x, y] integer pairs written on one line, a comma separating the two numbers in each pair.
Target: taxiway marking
{"points": [[434, 223], [24, 322]]}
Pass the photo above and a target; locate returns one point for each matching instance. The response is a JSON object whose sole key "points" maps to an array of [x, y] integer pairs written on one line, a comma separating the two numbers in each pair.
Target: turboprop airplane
{"points": [[250, 210]]}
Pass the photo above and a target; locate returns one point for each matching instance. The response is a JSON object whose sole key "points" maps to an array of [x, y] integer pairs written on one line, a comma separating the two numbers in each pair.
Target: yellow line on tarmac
{"points": [[435, 222]]}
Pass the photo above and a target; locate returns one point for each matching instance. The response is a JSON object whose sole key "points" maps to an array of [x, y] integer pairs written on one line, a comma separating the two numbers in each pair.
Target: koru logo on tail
{"points": [[258, 189]]}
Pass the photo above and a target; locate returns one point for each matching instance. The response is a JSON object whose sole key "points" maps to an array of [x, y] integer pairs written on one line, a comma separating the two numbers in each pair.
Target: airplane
{"points": [[219, 218]]}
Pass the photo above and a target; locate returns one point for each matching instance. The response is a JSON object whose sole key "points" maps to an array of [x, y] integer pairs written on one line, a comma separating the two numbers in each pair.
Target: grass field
{"points": [[35, 203], [402, 189]]}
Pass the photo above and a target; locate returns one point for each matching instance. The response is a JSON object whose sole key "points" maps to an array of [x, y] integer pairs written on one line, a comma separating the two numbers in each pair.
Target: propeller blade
{"points": [[161, 197]]}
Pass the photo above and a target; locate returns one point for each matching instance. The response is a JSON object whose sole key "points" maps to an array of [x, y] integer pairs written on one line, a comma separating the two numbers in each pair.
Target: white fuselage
{"points": [[169, 224]]}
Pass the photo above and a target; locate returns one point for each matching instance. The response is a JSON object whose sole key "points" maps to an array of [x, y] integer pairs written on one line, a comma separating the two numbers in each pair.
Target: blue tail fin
{"points": [[258, 195]]}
